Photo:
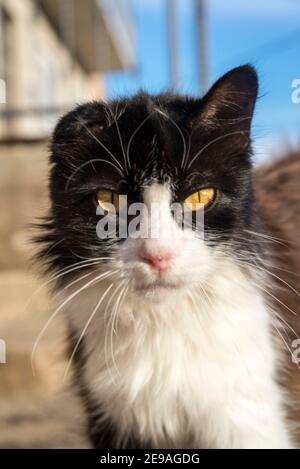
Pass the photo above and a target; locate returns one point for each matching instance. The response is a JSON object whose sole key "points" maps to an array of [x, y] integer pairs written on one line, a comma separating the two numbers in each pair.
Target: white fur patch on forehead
{"points": [[157, 193]]}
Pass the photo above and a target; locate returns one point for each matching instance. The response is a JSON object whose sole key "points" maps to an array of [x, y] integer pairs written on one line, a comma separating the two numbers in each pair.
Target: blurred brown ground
{"points": [[35, 410]]}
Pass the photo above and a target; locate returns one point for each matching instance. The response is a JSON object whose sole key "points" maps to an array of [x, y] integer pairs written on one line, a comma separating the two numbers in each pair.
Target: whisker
{"points": [[210, 143], [73, 295], [94, 160], [270, 238], [276, 299], [61, 273], [74, 282], [180, 132], [268, 272], [286, 345], [126, 163], [85, 329], [134, 134], [286, 324], [114, 318], [104, 147], [243, 263], [118, 287]]}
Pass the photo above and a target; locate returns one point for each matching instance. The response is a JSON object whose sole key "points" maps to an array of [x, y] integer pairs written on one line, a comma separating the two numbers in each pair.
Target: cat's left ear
{"points": [[231, 100]]}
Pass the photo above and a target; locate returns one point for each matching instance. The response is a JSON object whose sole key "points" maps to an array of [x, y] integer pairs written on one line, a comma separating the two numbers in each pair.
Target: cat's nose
{"points": [[159, 261]]}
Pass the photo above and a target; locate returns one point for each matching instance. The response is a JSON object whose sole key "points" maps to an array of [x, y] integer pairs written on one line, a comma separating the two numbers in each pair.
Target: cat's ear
{"points": [[74, 123], [74, 129], [231, 100]]}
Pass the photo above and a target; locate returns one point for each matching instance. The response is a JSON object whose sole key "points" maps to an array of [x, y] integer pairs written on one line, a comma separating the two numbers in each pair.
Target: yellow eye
{"points": [[201, 198], [107, 198]]}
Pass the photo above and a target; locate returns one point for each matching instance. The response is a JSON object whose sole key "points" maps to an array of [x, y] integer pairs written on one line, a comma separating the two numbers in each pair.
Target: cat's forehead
{"points": [[145, 119], [145, 138]]}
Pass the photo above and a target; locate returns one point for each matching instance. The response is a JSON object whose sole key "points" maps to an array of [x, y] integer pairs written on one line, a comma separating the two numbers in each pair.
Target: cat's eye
{"points": [[106, 199], [201, 198]]}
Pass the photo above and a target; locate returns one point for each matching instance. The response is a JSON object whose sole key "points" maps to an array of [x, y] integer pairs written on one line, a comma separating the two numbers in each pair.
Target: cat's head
{"points": [[156, 150]]}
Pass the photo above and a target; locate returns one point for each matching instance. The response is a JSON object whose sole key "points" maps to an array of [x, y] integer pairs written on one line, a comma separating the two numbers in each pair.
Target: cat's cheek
{"points": [[196, 260]]}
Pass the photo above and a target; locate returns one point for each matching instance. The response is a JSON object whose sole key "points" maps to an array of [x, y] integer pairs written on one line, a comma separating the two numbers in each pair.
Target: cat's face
{"points": [[157, 151]]}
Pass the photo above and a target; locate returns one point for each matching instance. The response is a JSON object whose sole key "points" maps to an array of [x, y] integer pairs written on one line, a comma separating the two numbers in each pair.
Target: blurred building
{"points": [[54, 53]]}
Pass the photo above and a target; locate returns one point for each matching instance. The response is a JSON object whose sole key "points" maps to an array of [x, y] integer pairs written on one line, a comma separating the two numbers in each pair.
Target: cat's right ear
{"points": [[74, 122], [231, 101], [74, 129]]}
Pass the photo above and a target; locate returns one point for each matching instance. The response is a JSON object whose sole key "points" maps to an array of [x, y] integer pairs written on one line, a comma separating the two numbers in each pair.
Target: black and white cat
{"points": [[171, 335]]}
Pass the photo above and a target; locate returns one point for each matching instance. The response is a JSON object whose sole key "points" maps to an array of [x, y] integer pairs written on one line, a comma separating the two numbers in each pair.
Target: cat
{"points": [[173, 338]]}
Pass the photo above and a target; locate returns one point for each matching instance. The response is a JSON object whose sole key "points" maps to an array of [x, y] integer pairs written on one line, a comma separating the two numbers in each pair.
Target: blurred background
{"points": [[58, 53]]}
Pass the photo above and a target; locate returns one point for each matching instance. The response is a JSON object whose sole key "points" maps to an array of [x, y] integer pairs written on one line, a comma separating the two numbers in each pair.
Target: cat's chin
{"points": [[158, 291]]}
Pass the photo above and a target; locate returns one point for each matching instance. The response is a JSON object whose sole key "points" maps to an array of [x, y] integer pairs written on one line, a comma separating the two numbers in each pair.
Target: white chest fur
{"points": [[197, 372]]}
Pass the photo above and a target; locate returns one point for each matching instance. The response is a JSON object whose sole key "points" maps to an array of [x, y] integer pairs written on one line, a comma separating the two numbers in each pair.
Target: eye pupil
{"points": [[116, 201], [203, 197]]}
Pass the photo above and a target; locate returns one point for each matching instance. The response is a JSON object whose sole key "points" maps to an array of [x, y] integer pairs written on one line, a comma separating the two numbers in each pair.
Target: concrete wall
{"points": [[23, 198], [34, 411]]}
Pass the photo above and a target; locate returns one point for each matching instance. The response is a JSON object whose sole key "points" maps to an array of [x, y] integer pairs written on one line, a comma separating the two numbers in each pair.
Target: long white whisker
{"points": [[126, 163], [114, 317], [267, 237], [134, 134], [180, 132], [74, 282], [276, 299], [94, 160], [243, 264], [102, 276], [286, 324], [287, 346], [85, 329], [268, 272], [210, 143], [61, 273], [103, 146], [118, 287]]}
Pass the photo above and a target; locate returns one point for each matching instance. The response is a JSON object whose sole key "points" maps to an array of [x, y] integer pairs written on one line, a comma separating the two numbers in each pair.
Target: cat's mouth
{"points": [[157, 287]]}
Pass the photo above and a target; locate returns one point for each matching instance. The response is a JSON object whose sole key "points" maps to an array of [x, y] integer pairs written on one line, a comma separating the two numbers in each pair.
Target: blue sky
{"points": [[265, 33]]}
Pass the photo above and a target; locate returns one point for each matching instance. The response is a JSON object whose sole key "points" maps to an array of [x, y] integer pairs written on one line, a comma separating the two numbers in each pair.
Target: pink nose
{"points": [[159, 262]]}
